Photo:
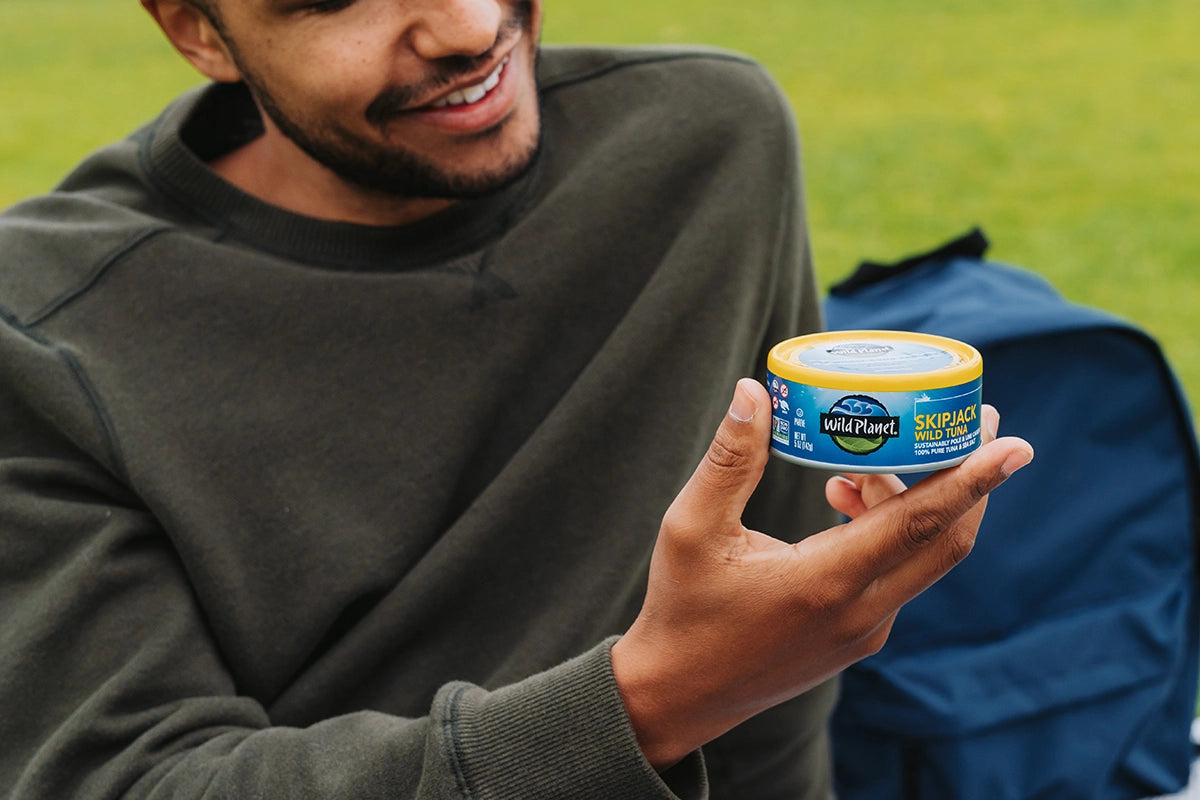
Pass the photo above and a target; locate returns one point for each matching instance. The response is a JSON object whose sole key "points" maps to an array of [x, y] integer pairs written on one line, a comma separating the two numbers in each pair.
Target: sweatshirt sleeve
{"points": [[112, 686]]}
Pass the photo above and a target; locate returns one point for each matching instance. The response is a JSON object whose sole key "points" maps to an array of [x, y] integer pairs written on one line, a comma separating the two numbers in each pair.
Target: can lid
{"points": [[875, 360]]}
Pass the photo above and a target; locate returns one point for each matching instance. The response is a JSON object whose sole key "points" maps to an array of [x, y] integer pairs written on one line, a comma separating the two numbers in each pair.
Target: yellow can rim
{"points": [[966, 364]]}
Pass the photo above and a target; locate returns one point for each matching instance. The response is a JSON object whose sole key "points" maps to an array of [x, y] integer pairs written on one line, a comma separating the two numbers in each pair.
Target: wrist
{"points": [[668, 725]]}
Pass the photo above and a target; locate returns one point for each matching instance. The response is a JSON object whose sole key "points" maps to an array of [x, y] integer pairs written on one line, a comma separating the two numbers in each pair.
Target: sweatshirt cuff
{"points": [[561, 733]]}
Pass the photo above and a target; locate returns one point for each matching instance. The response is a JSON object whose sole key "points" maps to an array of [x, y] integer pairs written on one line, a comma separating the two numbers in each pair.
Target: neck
{"points": [[273, 169]]}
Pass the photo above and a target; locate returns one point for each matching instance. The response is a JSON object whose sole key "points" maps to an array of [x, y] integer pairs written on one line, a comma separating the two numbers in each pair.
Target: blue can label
{"points": [[874, 431]]}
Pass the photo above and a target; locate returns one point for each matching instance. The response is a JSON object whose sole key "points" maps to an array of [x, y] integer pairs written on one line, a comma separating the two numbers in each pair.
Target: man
{"points": [[344, 405]]}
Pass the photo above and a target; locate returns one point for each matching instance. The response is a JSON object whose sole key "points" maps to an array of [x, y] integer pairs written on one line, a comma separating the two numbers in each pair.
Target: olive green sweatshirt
{"points": [[298, 509]]}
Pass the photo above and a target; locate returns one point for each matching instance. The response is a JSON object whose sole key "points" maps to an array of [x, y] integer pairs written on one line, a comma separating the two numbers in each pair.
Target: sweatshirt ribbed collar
{"points": [[177, 170]]}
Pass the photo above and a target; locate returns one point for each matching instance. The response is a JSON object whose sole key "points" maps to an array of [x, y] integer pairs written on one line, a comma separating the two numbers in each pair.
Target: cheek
{"points": [[322, 96], [315, 80]]}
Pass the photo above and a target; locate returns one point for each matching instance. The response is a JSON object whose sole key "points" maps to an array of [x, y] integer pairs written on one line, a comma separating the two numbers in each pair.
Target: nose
{"points": [[455, 28]]}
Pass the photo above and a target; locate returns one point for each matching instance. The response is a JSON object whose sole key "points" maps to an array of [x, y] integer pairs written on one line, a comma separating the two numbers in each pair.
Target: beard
{"points": [[393, 170]]}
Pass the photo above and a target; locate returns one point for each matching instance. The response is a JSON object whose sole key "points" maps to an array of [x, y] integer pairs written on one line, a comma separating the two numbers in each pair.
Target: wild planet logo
{"points": [[859, 424]]}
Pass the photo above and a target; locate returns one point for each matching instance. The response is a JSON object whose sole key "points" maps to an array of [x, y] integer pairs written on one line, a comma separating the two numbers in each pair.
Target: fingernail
{"points": [[1015, 461], [743, 408]]}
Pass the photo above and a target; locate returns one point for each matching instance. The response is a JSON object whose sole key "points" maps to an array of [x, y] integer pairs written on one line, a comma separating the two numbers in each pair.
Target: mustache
{"points": [[395, 100]]}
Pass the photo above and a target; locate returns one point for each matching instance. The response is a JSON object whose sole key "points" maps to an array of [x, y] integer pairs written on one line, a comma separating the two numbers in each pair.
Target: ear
{"points": [[195, 37]]}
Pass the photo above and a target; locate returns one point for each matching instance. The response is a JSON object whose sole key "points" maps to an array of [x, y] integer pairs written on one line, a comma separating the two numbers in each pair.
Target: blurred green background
{"points": [[1067, 129]]}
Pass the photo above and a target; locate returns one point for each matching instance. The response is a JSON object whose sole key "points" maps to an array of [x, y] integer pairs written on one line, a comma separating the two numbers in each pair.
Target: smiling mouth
{"points": [[475, 93]]}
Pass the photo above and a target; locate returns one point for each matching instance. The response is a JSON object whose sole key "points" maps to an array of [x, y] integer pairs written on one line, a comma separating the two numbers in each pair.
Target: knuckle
{"points": [[979, 488], [959, 545], [826, 597], [873, 642], [725, 455], [677, 525], [821, 601], [861, 631], [921, 526], [923, 523], [673, 519]]}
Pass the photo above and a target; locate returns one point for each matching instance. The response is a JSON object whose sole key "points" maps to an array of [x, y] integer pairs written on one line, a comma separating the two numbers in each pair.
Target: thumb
{"points": [[718, 490]]}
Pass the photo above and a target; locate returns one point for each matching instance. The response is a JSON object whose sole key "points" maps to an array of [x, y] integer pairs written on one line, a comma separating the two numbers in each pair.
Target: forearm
{"points": [[551, 736], [113, 685], [558, 734], [150, 730]]}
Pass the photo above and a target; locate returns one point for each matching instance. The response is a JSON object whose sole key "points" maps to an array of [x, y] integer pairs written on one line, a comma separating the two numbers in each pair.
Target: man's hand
{"points": [[735, 621]]}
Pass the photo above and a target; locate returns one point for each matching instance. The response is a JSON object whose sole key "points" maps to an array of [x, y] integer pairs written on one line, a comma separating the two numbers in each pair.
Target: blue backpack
{"points": [[1059, 660]]}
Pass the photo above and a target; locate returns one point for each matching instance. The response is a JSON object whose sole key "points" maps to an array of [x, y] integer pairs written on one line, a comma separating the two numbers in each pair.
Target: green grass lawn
{"points": [[1067, 129]]}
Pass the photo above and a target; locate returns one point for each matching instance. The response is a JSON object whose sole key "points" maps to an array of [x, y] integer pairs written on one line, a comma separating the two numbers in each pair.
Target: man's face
{"points": [[412, 98]]}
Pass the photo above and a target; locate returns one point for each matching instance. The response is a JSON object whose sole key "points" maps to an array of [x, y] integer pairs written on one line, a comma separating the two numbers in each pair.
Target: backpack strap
{"points": [[973, 244]]}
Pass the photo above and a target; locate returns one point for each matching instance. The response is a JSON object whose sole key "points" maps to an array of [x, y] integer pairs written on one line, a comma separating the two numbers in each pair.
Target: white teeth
{"points": [[472, 94]]}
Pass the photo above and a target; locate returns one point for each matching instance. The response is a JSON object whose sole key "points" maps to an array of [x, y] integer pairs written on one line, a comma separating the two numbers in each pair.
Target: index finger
{"points": [[873, 489], [909, 540]]}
